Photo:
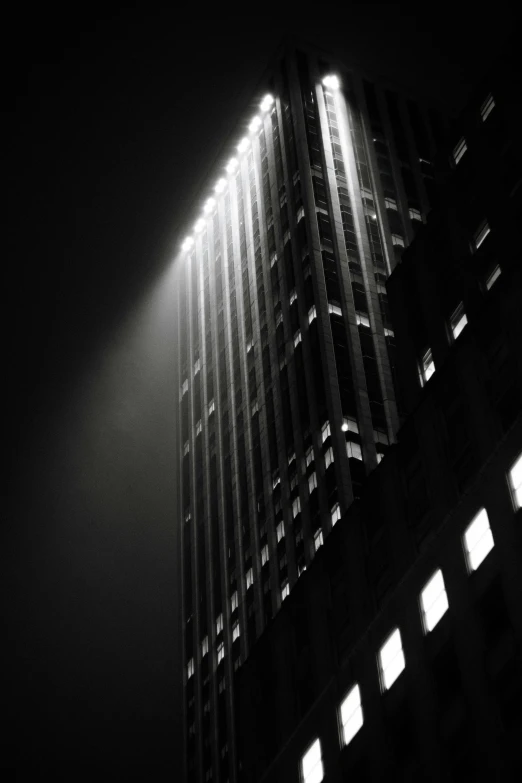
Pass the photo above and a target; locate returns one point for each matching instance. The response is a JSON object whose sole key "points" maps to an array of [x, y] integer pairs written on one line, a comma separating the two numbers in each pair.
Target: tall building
{"points": [[398, 655], [286, 357]]}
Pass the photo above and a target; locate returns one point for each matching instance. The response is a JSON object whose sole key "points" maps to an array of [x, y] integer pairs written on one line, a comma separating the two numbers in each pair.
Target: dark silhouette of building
{"points": [[398, 654], [301, 553]]}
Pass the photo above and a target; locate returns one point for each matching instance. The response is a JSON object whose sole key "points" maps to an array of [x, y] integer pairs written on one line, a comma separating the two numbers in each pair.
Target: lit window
{"points": [[204, 646], [389, 332], [280, 531], [349, 425], [293, 296], [198, 427], [279, 317], [478, 540], [515, 481], [255, 124], [188, 516], [312, 764], [276, 481], [312, 313], [249, 346], [233, 601], [331, 82], [426, 367], [318, 539], [285, 590], [362, 319], [211, 407], [300, 214], [434, 601], [351, 714], [325, 431], [391, 659], [264, 555], [329, 457], [185, 448], [291, 458], [458, 321], [190, 668], [487, 107], [249, 578], [273, 260], [335, 512], [334, 309], [266, 103], [397, 240], [309, 456], [219, 623], [235, 631], [415, 214], [255, 407], [294, 481], [459, 150], [480, 235], [296, 506], [379, 457], [493, 277], [353, 450], [197, 366], [184, 388], [390, 203], [312, 482], [297, 338], [220, 652]]}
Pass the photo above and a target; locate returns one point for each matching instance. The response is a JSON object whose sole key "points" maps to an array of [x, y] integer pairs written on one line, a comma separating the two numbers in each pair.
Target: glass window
{"points": [[233, 601], [297, 338], [459, 150], [329, 457], [249, 578], [198, 427], [312, 764], [493, 277], [190, 668], [480, 235], [334, 309], [235, 631], [219, 623], [434, 601], [185, 448], [487, 107], [204, 646], [296, 506], [285, 590], [312, 313], [362, 319], [312, 482], [390, 203], [415, 214], [426, 367], [318, 539], [264, 555], [515, 481], [280, 531], [220, 652], [335, 512], [349, 425], [351, 714], [211, 407], [478, 540], [309, 456], [391, 659], [397, 240], [353, 450], [458, 320], [325, 431]]}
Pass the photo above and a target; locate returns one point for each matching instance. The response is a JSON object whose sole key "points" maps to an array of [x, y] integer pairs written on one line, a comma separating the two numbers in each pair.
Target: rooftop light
{"points": [[220, 185], [254, 125], [331, 81], [187, 244], [266, 103], [199, 225], [209, 205], [231, 166], [243, 144]]}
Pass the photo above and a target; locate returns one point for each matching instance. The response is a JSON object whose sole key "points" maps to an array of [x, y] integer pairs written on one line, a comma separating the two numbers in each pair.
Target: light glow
{"points": [[243, 144], [231, 165], [254, 125], [187, 244], [209, 206], [220, 185], [199, 226], [266, 103], [331, 82]]}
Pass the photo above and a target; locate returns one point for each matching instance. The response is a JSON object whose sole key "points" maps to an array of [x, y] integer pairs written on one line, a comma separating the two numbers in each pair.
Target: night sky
{"points": [[114, 122]]}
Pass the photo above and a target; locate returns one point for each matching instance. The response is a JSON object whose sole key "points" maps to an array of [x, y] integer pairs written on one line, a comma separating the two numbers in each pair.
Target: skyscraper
{"points": [[285, 355]]}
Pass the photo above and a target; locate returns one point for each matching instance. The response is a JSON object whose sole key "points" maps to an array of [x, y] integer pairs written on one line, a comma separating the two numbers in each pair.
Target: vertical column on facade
{"points": [[344, 488]]}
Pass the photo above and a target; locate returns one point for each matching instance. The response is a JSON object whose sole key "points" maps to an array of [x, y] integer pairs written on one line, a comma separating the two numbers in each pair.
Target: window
{"points": [[211, 407], [312, 313], [334, 309], [325, 431], [335, 512], [264, 555], [415, 214], [312, 764], [426, 367], [312, 482], [318, 539], [300, 214], [190, 668], [184, 388], [285, 590], [297, 338], [233, 601], [353, 450], [434, 601], [487, 107], [328, 457], [276, 480], [515, 482], [296, 507], [249, 578], [389, 332], [235, 631], [219, 623], [204, 646], [280, 531], [198, 427], [390, 203], [309, 456], [255, 407], [349, 425], [197, 366], [397, 240], [185, 448], [220, 652], [188, 516], [293, 296], [391, 659], [478, 540], [480, 234], [362, 319], [351, 714], [459, 150], [493, 277], [458, 321]]}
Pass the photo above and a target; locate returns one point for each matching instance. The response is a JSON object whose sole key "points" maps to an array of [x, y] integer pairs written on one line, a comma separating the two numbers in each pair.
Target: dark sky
{"points": [[114, 120]]}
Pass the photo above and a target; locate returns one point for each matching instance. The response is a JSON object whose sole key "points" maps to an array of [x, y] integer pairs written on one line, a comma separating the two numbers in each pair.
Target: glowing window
{"points": [[184, 388], [458, 320], [362, 319], [211, 407], [293, 296], [493, 277], [328, 457], [300, 214], [185, 448], [397, 240], [312, 313], [459, 150], [351, 714], [264, 555], [335, 512], [478, 540], [309, 456], [297, 338], [325, 431], [190, 668], [487, 107], [220, 652], [334, 309], [276, 481], [198, 427], [249, 578], [390, 203], [480, 235], [389, 332], [280, 531], [235, 631], [312, 764], [415, 214], [219, 623], [349, 425], [285, 590], [233, 601], [312, 482], [434, 601], [353, 450], [296, 506], [515, 481], [391, 659], [204, 646], [318, 539], [426, 367]]}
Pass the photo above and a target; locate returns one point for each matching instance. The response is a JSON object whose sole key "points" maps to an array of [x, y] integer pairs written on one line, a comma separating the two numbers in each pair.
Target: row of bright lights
{"points": [[330, 82]]}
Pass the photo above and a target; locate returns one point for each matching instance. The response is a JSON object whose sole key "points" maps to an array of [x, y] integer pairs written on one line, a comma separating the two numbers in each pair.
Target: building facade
{"points": [[285, 359], [399, 653]]}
